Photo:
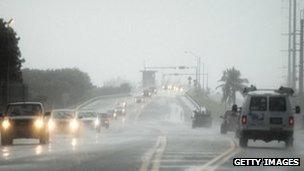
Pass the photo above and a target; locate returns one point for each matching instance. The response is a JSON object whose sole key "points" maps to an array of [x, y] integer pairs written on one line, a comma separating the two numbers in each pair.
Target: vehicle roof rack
{"points": [[285, 90], [246, 90], [282, 90]]}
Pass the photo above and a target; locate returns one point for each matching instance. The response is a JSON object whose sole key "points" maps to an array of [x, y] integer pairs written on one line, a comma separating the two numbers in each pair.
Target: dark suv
{"points": [[24, 120]]}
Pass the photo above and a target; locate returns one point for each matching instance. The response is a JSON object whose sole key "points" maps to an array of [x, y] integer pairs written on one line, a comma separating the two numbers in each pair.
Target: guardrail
{"points": [[193, 101], [84, 103]]}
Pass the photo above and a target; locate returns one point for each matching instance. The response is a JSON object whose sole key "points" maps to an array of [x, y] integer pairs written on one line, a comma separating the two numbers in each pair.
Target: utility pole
{"points": [[289, 44], [301, 59], [294, 44], [203, 76]]}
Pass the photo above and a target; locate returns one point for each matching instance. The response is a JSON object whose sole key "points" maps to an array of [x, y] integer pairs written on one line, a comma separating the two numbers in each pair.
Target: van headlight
{"points": [[74, 124], [6, 124], [38, 123]]}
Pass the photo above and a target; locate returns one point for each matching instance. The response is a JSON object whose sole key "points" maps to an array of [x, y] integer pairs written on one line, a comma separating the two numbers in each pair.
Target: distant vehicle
{"points": [[65, 121], [120, 111], [267, 115], [153, 90], [147, 93], [104, 120], [24, 120], [112, 113], [89, 119], [139, 99], [201, 118]]}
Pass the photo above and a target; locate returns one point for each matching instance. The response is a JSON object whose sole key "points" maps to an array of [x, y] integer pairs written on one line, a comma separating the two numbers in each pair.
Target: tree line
{"points": [[64, 87]]}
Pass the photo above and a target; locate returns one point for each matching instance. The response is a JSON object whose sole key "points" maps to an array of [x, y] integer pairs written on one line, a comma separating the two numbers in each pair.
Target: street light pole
{"points": [[301, 56], [198, 68]]}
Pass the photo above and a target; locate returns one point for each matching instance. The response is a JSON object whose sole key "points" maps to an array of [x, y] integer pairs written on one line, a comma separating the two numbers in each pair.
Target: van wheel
{"points": [[223, 129], [243, 141], [289, 142]]}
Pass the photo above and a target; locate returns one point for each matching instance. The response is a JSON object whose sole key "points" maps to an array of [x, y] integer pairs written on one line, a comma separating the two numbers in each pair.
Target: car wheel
{"points": [[243, 141]]}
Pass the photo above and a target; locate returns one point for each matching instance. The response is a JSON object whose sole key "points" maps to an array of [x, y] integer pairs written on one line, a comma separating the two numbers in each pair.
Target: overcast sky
{"points": [[113, 38]]}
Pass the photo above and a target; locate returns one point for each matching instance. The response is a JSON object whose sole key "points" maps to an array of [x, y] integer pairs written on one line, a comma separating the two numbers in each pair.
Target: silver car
{"points": [[267, 115]]}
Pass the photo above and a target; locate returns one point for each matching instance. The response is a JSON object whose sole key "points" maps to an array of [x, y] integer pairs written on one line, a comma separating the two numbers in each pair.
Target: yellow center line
{"points": [[217, 161]]}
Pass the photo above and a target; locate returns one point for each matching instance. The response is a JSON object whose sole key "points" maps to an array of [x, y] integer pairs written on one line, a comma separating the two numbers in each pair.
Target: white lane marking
{"points": [[217, 161]]}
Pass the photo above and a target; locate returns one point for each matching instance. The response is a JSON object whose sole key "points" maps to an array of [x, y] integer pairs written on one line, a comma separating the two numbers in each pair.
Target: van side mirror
{"points": [[297, 109]]}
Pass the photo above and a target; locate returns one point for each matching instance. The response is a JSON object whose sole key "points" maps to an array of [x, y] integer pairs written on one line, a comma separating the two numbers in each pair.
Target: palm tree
{"points": [[231, 83]]}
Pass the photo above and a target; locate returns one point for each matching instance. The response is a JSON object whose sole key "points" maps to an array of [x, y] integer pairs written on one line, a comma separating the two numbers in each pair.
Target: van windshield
{"points": [[258, 103], [277, 104]]}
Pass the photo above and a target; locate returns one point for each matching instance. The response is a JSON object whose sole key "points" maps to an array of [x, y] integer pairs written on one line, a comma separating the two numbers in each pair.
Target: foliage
{"points": [[65, 87], [10, 56], [59, 87], [231, 83]]}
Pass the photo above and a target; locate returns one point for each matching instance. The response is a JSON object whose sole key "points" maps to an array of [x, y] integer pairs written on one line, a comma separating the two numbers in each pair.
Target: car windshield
{"points": [[63, 114], [258, 103], [277, 104], [24, 110]]}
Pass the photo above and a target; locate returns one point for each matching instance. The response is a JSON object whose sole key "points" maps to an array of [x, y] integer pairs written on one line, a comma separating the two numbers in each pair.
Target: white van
{"points": [[267, 115]]}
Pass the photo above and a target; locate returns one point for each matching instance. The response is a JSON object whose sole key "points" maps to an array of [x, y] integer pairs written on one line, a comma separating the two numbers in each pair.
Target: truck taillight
{"points": [[291, 121], [244, 119]]}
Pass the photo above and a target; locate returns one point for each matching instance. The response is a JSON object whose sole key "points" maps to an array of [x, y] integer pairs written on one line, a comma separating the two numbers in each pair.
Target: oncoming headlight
{"points": [[74, 124], [38, 123], [96, 122], [6, 124]]}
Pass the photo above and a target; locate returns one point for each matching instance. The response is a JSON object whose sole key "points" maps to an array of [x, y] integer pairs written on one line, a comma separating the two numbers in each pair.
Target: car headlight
{"points": [[74, 124], [51, 124], [6, 124], [38, 123], [96, 122]]}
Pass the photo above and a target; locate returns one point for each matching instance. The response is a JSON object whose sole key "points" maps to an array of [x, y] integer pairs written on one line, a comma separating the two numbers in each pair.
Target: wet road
{"points": [[155, 135]]}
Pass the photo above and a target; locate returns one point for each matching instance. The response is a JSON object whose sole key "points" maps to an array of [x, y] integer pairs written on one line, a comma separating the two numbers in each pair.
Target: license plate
{"points": [[277, 121]]}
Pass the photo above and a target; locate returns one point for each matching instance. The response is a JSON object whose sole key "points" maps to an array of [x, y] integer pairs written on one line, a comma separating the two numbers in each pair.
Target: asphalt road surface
{"points": [[155, 135]]}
